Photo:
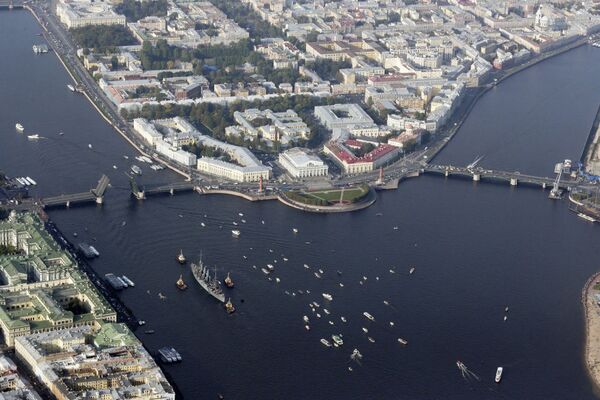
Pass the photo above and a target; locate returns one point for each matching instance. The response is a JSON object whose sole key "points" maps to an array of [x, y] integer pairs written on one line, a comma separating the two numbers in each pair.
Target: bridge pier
{"points": [[476, 177], [513, 182], [68, 204], [140, 195], [446, 173], [544, 185], [99, 200]]}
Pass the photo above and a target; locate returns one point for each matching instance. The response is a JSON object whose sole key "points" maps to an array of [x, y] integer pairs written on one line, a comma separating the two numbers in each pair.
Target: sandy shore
{"points": [[592, 328]]}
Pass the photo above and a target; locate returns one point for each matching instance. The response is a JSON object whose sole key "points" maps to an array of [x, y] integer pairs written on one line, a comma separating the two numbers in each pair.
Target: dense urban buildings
{"points": [[57, 321], [392, 72]]}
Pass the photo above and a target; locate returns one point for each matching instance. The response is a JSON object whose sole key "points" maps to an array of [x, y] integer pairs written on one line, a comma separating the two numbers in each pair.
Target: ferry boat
{"points": [[369, 316], [180, 283], [33, 137], [586, 217], [136, 170], [71, 88], [499, 374], [235, 232], [208, 283], [181, 258], [128, 281], [229, 307], [20, 128], [228, 281]]}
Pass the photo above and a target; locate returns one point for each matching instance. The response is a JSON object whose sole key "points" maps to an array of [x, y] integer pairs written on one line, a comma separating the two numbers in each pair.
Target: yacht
{"points": [[307, 327], [136, 170], [337, 340], [356, 356], [411, 270], [270, 267], [19, 127], [325, 342], [295, 230], [343, 319], [327, 296], [305, 319], [371, 339], [71, 88], [369, 316], [498, 374], [235, 233], [402, 341], [365, 330], [33, 137]]}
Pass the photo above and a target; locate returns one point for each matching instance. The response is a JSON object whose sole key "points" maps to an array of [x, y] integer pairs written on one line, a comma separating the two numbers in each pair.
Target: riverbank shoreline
{"points": [[66, 66], [591, 313]]}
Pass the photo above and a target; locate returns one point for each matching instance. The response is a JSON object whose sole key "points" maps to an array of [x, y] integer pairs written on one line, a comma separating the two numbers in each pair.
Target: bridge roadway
{"points": [[94, 195], [171, 188], [513, 178]]}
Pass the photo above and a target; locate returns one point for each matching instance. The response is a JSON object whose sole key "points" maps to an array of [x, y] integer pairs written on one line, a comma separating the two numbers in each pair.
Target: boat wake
{"points": [[467, 374]]}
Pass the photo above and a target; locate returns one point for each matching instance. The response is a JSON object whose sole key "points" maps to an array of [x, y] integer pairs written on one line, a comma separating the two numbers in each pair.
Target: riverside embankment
{"points": [[591, 306]]}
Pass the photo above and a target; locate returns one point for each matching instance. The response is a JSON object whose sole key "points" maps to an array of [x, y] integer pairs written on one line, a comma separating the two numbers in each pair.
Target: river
{"points": [[475, 247]]}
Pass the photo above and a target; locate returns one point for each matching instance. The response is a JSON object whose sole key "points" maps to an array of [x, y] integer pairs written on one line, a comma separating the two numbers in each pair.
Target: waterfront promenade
{"points": [[591, 309]]}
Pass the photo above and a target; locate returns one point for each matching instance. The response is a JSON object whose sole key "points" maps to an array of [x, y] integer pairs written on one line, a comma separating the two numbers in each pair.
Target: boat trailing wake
{"points": [[465, 372]]}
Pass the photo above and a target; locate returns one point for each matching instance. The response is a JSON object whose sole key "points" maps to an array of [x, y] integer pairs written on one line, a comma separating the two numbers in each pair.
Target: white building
{"points": [[300, 164], [342, 116], [75, 14], [232, 171]]}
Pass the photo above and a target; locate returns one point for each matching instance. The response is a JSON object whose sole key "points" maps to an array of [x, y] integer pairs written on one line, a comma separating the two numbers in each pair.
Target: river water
{"points": [[476, 248]]}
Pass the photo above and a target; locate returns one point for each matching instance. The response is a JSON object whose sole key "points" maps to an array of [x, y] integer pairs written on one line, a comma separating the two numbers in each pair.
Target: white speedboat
{"points": [[369, 316], [499, 374], [337, 340], [411, 270], [33, 137], [402, 341], [294, 230], [19, 127], [236, 233]]}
